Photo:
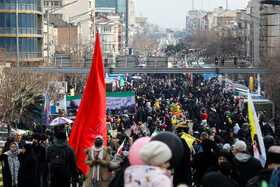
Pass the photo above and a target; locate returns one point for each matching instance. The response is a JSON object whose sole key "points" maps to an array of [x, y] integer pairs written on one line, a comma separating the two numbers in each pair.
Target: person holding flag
{"points": [[98, 159], [90, 121]]}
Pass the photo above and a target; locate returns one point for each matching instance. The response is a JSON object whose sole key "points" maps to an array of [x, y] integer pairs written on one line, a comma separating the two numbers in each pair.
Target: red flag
{"points": [[91, 118]]}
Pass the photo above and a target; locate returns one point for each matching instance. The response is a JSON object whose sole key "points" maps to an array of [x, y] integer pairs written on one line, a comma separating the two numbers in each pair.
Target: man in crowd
{"points": [[272, 162], [62, 162], [247, 165], [16, 138]]}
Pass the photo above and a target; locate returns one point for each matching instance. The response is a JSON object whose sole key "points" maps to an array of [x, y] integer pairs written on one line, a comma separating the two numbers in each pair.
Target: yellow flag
{"points": [[252, 123], [157, 104], [188, 138]]}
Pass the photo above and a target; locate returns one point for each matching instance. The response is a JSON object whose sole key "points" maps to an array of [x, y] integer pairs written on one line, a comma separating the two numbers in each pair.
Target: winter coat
{"points": [[104, 178], [146, 176], [70, 168], [7, 177], [247, 166], [263, 175], [201, 162], [40, 152], [28, 173], [182, 172]]}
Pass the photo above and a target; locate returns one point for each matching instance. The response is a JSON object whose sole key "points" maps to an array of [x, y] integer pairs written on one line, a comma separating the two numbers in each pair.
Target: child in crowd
{"points": [[156, 156]]}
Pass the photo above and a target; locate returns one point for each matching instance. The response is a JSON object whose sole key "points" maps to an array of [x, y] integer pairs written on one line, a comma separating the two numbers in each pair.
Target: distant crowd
{"points": [[148, 148]]}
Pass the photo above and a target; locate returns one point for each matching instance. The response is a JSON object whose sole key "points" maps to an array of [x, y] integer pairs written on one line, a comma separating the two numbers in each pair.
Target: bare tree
{"points": [[205, 39], [21, 96], [143, 45]]}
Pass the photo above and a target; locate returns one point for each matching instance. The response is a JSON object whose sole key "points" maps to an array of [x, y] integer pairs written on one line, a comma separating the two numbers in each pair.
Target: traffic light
{"points": [[216, 61], [235, 60], [223, 60]]}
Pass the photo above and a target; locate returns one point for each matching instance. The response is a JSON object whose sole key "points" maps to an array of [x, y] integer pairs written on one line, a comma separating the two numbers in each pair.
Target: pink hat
{"points": [[133, 156]]}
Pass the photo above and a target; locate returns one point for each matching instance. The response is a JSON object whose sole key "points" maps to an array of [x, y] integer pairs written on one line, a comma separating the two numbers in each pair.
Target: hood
{"points": [[60, 143], [243, 157]]}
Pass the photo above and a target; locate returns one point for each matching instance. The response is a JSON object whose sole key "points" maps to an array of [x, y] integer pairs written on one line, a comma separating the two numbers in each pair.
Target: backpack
{"points": [[57, 161]]}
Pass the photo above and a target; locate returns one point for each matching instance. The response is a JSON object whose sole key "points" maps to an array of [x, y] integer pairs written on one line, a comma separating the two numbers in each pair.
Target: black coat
{"points": [[28, 173], [71, 168], [118, 180], [7, 177], [247, 169], [182, 173], [40, 152], [201, 162]]}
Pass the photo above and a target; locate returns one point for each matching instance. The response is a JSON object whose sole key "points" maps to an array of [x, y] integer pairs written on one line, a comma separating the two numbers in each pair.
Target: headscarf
{"points": [[13, 163], [97, 151]]}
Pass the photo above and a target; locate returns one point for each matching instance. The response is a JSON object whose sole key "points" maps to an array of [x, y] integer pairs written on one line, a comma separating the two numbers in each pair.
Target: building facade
{"points": [[105, 3], [76, 12], [29, 31]]}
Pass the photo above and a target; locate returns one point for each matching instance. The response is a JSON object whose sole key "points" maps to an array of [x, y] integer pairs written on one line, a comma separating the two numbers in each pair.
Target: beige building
{"points": [[79, 12], [112, 36]]}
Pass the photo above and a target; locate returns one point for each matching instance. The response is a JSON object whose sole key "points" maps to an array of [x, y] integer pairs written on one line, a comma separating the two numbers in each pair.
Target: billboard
{"points": [[118, 103]]}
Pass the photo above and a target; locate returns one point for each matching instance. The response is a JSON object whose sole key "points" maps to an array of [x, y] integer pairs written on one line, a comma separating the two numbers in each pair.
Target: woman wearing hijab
{"points": [[28, 168], [11, 165], [97, 159]]}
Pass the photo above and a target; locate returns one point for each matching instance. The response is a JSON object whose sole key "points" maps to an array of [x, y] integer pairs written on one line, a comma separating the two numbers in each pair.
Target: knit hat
{"points": [[272, 156], [155, 153], [227, 147], [240, 145]]}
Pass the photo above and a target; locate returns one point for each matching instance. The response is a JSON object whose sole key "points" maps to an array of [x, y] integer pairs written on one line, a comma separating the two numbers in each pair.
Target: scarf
{"points": [[97, 151], [13, 164]]}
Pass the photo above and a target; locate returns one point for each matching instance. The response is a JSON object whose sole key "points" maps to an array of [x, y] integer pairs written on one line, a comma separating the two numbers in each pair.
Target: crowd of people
{"points": [[147, 148]]}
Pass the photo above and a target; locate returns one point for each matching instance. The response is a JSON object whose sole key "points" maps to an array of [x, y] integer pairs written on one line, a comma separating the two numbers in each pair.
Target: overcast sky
{"points": [[172, 13]]}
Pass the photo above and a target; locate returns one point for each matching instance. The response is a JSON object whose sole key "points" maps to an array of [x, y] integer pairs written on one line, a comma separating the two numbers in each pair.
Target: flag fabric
{"points": [[91, 117], [154, 133], [157, 103], [47, 109], [117, 82], [259, 148], [251, 122], [121, 147], [188, 138]]}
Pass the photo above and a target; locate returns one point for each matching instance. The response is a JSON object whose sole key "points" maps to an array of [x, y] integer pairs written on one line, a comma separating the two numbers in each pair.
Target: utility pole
{"points": [[48, 38], [192, 4], [69, 40], [226, 4], [17, 33], [126, 24]]}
